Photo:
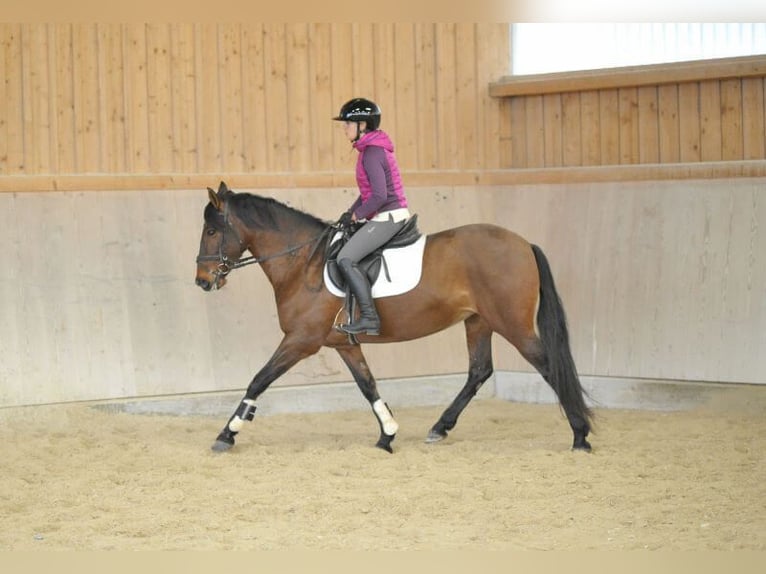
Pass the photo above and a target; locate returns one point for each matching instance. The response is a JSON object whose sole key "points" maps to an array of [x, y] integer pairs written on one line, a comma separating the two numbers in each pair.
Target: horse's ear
{"points": [[223, 189], [215, 199]]}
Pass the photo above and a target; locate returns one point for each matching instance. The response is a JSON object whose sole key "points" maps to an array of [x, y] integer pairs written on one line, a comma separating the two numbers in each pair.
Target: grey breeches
{"points": [[368, 238]]}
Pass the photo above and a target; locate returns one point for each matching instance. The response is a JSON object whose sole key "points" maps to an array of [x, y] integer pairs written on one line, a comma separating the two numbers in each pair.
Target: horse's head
{"points": [[220, 247]]}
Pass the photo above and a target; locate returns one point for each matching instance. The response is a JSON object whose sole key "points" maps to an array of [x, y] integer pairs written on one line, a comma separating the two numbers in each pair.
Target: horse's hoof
{"points": [[435, 436], [221, 446], [584, 446], [385, 441]]}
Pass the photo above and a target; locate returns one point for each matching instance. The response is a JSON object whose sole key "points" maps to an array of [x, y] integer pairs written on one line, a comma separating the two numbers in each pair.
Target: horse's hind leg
{"points": [[354, 358], [479, 337], [534, 352]]}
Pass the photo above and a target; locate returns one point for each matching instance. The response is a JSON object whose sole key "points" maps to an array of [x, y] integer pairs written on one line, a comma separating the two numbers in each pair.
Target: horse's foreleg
{"points": [[357, 364], [289, 352], [479, 338]]}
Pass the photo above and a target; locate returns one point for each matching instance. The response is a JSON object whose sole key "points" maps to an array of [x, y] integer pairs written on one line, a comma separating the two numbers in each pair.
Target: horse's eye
{"points": [[211, 231]]}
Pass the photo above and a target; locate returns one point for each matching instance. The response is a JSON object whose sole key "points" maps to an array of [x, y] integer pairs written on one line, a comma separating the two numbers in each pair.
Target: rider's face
{"points": [[349, 129]]}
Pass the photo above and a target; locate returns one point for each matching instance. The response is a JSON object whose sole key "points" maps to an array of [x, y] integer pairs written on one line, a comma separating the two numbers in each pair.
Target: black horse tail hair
{"points": [[554, 334]]}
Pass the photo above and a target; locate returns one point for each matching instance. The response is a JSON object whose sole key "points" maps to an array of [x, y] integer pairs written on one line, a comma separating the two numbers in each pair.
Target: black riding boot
{"points": [[368, 321]]}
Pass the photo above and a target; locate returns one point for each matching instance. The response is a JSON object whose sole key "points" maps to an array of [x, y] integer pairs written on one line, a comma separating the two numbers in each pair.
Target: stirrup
{"points": [[357, 329]]}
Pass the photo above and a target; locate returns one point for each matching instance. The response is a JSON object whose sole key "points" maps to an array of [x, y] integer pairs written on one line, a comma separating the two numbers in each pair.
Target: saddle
{"points": [[371, 264]]}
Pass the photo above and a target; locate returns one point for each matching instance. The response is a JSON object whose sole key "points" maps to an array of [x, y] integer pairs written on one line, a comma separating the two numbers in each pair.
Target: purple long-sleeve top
{"points": [[377, 175]]}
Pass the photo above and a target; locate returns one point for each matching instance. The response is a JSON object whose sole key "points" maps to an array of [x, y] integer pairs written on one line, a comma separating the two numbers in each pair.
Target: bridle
{"points": [[226, 265]]}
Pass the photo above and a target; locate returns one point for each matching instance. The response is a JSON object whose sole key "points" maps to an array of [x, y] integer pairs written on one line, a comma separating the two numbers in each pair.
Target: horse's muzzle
{"points": [[204, 283]]}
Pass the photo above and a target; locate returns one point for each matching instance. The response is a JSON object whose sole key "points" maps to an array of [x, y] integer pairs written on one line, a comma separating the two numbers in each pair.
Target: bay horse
{"points": [[486, 276]]}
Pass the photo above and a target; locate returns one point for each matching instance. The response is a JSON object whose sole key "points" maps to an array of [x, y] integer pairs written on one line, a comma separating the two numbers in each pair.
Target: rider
{"points": [[381, 204]]}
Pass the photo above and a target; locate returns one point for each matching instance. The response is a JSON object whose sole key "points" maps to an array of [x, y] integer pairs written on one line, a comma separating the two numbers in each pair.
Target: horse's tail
{"points": [[552, 327]]}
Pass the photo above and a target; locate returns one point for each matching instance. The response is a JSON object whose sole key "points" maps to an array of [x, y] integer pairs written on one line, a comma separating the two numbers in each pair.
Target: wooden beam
{"points": [[412, 179], [630, 76]]}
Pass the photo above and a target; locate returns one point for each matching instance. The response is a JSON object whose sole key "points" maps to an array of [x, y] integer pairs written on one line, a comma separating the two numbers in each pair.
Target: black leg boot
{"points": [[368, 321]]}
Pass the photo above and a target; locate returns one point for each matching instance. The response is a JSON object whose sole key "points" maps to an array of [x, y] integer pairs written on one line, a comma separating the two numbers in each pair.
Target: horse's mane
{"points": [[268, 213]]}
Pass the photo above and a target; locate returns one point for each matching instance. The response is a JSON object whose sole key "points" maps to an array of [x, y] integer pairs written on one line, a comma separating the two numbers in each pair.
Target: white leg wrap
{"points": [[236, 422], [390, 426]]}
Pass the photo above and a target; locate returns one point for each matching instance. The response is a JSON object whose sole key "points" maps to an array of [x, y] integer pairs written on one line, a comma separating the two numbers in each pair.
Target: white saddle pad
{"points": [[405, 265]]}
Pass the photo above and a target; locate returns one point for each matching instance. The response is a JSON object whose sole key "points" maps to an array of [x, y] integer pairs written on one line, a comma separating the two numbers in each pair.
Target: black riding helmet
{"points": [[360, 110]]}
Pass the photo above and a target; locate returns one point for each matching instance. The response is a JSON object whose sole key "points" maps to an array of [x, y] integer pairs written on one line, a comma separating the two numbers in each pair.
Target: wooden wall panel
{"points": [[64, 103], [177, 100], [753, 118], [405, 96], [320, 88], [184, 108], [254, 94], [208, 99], [36, 100], [665, 114], [668, 124], [13, 102], [232, 97], [446, 78]]}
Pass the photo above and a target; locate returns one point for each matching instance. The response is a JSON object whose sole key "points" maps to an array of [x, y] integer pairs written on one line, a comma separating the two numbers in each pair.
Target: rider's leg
{"points": [[369, 237]]}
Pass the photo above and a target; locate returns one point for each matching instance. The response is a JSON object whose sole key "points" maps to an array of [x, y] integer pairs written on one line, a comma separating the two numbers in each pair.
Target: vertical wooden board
{"points": [[710, 121], [136, 101], [425, 81], [254, 106], [231, 97], [492, 62], [112, 98], [86, 98], [64, 99], [183, 107], [629, 125], [609, 122], [669, 124], [648, 125], [590, 127], [446, 103], [552, 126], [533, 132], [753, 119], [159, 98], [36, 87], [298, 98], [275, 55], [405, 97], [689, 121], [342, 85], [321, 102], [5, 111], [206, 51], [363, 61], [732, 138], [466, 95], [519, 131], [13, 103], [53, 136], [384, 65], [571, 129]]}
